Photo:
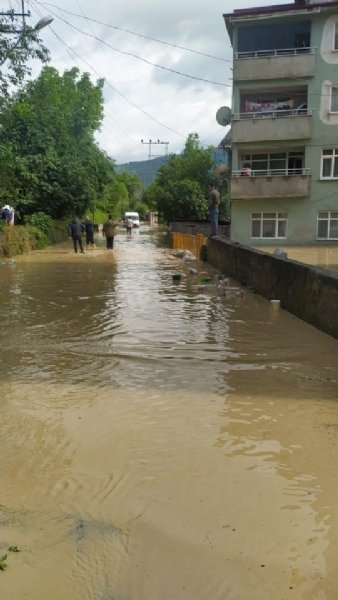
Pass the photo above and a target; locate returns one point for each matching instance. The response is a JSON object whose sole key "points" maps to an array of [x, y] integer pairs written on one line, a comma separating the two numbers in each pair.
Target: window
{"points": [[270, 37], [334, 99], [327, 225], [269, 225], [329, 168], [335, 41], [274, 163]]}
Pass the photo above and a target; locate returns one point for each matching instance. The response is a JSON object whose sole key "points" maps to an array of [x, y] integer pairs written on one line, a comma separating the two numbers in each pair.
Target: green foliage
{"points": [[134, 187], [180, 188], [40, 220], [3, 564], [38, 239], [16, 49], [142, 210], [14, 240], [49, 160], [21, 239], [183, 199]]}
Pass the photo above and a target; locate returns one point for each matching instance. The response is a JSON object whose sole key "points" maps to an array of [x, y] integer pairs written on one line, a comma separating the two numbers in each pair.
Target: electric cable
{"points": [[136, 56], [134, 33]]}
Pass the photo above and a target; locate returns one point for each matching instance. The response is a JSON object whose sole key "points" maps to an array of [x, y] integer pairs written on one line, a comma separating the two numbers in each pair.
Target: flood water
{"points": [[325, 257], [160, 440]]}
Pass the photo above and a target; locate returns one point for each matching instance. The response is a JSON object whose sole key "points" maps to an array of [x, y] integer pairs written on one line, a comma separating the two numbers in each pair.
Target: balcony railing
{"points": [[280, 52], [272, 173], [295, 112]]}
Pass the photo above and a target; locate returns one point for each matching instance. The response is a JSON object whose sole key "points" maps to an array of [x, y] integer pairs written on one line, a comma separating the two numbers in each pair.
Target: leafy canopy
{"points": [[47, 132], [179, 190], [17, 45]]}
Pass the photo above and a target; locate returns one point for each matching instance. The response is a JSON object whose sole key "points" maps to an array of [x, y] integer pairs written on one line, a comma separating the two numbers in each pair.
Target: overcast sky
{"points": [[144, 101]]}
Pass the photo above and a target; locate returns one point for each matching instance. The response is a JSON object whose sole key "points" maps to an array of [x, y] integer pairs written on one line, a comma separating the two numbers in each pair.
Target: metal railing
{"points": [[278, 52], [272, 173], [294, 112]]}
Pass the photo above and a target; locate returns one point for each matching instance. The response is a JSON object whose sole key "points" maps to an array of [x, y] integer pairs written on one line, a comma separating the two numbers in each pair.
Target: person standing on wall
{"points": [[109, 230], [213, 203], [75, 230]]}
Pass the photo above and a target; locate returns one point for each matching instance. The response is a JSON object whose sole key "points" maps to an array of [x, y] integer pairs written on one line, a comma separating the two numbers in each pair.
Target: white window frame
{"points": [[328, 218], [334, 158], [334, 90], [268, 157], [279, 217]]}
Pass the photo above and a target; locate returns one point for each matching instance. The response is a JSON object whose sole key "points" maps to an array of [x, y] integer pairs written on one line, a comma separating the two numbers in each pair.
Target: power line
{"points": [[148, 62], [107, 114], [118, 92], [145, 37]]}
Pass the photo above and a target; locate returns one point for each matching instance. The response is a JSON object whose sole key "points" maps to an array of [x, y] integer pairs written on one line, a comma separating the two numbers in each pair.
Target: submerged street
{"points": [[161, 440]]}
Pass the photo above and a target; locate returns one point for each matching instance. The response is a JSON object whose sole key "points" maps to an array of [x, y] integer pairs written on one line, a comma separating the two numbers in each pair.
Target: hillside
{"points": [[145, 169]]}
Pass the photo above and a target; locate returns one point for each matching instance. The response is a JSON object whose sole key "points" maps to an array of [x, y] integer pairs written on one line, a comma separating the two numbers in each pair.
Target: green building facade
{"points": [[284, 172]]}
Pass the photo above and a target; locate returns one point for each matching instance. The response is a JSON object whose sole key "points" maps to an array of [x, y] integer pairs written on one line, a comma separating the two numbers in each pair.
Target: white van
{"points": [[134, 216]]}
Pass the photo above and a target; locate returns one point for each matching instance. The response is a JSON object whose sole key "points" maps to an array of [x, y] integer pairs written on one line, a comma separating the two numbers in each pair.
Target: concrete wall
{"points": [[297, 65], [276, 128], [292, 186], [308, 292]]}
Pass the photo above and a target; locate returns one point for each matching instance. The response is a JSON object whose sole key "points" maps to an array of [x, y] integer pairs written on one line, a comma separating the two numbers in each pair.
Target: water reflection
{"points": [[162, 441]]}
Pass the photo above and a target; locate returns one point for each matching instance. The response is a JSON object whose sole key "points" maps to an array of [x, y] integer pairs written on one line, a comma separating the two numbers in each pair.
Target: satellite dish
{"points": [[223, 116]]}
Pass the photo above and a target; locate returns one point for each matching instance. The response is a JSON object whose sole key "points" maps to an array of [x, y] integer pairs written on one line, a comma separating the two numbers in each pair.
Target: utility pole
{"points": [[151, 143], [11, 15]]}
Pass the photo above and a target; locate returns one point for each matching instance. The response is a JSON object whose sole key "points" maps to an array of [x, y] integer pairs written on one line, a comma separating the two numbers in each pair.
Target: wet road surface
{"points": [[161, 441]]}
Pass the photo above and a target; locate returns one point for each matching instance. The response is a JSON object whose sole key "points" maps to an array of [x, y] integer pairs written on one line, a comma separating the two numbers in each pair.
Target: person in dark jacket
{"points": [[75, 230], [89, 229], [109, 230]]}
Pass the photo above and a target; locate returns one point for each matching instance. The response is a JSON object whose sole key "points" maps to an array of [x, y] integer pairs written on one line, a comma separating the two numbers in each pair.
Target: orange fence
{"points": [[186, 241]]}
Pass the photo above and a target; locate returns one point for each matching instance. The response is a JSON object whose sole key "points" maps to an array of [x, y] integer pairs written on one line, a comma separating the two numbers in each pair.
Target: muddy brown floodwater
{"points": [[161, 441]]}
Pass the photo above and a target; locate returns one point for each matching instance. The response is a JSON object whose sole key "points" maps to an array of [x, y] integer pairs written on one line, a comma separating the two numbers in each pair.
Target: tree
{"points": [[49, 127], [134, 187], [16, 48], [179, 189]]}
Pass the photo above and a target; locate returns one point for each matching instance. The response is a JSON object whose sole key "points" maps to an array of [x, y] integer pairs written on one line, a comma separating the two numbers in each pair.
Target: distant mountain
{"points": [[146, 170]]}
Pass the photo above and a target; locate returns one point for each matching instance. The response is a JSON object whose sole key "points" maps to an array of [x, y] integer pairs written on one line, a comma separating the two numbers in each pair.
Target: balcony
{"points": [[274, 64], [274, 125], [291, 183]]}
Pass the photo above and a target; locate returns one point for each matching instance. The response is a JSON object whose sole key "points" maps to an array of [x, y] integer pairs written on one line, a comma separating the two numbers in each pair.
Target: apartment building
{"points": [[284, 173]]}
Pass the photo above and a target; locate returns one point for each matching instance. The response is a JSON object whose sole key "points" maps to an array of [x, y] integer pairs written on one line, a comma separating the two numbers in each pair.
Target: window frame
{"points": [[334, 158], [269, 158], [334, 90], [335, 37], [328, 220], [278, 218]]}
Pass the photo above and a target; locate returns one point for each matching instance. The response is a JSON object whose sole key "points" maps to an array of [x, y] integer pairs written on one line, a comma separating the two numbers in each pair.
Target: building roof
{"points": [[305, 5]]}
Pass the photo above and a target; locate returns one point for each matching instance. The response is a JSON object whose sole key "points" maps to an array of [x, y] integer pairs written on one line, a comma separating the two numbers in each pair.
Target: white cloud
{"points": [[178, 105]]}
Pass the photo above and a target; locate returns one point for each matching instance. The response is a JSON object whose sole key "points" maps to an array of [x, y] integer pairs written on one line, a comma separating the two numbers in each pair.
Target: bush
{"points": [[14, 240], [40, 220], [58, 232], [38, 238]]}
